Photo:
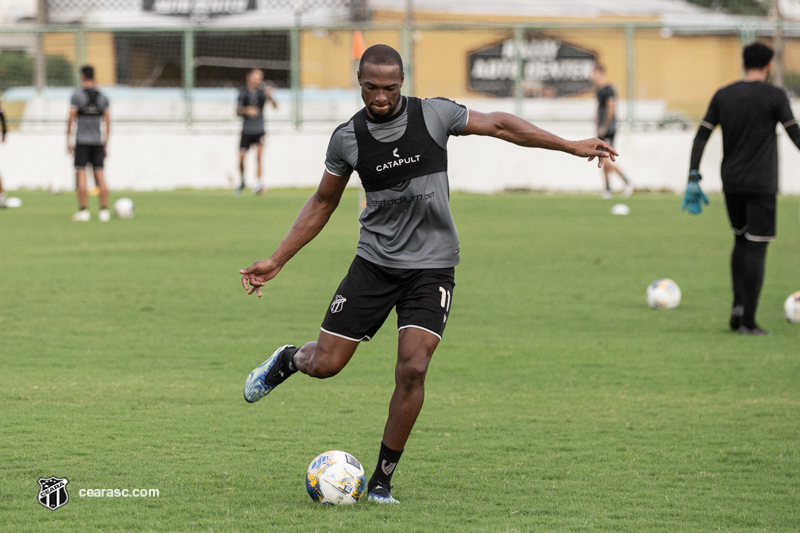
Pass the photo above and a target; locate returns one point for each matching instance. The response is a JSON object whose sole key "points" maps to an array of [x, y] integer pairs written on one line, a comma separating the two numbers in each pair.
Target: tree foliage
{"points": [[736, 7], [16, 69]]}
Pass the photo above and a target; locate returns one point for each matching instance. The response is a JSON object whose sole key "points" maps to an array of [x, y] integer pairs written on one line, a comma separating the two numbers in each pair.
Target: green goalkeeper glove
{"points": [[693, 195]]}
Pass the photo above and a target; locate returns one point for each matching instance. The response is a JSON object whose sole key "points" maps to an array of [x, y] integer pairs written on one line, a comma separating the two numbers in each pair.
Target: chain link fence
{"points": [[188, 73]]}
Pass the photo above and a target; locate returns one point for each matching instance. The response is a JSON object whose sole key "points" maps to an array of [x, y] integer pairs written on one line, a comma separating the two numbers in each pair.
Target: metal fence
{"points": [[664, 75]]}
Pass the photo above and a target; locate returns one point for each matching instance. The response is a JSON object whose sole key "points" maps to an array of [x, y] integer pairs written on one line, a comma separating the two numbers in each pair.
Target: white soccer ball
{"points": [[663, 294], [13, 201], [124, 208], [620, 209], [335, 478], [791, 308]]}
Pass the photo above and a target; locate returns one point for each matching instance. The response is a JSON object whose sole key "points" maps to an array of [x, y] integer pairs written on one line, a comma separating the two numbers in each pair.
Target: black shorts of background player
{"points": [[250, 107], [606, 120], [421, 295], [748, 112]]}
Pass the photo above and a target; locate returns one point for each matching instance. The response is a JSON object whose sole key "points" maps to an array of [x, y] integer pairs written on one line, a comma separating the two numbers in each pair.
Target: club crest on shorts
{"points": [[53, 492], [338, 303]]}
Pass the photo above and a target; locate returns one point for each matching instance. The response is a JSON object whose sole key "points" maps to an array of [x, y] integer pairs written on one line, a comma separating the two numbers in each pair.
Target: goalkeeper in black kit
{"points": [[748, 112]]}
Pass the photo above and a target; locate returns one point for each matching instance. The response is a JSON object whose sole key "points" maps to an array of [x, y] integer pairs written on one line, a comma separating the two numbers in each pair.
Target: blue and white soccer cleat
{"points": [[381, 494], [266, 377]]}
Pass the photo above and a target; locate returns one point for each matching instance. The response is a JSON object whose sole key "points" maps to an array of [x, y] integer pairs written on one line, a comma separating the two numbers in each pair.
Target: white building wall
{"points": [[169, 157]]}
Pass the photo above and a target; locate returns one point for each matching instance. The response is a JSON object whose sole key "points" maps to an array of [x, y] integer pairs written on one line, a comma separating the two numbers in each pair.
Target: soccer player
{"points": [[89, 107], [748, 112], [2, 139], [408, 247], [252, 99], [606, 120]]}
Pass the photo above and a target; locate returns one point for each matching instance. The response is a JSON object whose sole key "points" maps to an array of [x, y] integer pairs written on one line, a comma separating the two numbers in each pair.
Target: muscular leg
{"points": [[607, 176], [326, 357], [242, 154], [259, 152], [83, 195], [414, 353], [99, 177], [609, 167], [415, 349]]}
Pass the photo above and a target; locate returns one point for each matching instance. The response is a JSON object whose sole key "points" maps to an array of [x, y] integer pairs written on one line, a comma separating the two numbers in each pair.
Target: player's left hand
{"points": [[592, 148]]}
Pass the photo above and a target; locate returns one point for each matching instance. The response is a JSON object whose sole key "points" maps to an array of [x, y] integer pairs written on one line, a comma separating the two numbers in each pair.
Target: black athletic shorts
{"points": [[369, 292], [89, 153], [249, 139], [752, 215]]}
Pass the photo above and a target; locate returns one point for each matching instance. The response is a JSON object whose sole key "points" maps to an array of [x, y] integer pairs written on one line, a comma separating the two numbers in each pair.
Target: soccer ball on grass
{"points": [[335, 478], [663, 294], [124, 208], [791, 308]]}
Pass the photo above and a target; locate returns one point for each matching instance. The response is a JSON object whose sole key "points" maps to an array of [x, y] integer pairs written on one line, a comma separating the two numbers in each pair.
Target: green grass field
{"points": [[557, 401]]}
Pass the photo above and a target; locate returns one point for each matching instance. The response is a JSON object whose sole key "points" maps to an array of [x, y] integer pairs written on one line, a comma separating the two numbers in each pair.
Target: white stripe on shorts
{"points": [[365, 338], [758, 238], [420, 327]]}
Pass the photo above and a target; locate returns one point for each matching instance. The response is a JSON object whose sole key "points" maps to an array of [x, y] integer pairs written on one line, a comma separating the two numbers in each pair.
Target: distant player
{"points": [[252, 99], [748, 112], [606, 121], [408, 248], [89, 107], [2, 139]]}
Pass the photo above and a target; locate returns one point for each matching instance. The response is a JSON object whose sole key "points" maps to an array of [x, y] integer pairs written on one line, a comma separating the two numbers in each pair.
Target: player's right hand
{"points": [[70, 149], [258, 274]]}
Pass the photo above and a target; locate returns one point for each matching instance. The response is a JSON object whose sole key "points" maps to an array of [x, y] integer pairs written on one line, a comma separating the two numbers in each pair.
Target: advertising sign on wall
{"points": [[549, 68]]}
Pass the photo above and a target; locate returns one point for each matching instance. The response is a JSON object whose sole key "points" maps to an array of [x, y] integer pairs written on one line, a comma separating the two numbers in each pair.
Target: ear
{"points": [[402, 78], [358, 75]]}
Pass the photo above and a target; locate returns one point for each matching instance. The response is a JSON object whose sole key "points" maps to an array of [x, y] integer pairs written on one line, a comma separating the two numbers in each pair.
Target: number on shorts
{"points": [[446, 295]]}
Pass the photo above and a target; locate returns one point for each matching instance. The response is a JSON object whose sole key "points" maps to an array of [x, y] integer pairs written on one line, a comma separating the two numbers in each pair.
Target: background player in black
{"points": [[252, 99], [2, 139], [748, 112], [606, 121], [380, 76]]}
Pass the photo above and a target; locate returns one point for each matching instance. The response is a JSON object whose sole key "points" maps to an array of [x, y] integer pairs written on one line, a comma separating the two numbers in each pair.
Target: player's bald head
{"points": [[380, 54]]}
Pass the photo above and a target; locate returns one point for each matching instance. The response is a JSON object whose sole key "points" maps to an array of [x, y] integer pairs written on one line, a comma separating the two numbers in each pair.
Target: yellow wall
{"points": [[683, 70], [99, 52], [326, 57]]}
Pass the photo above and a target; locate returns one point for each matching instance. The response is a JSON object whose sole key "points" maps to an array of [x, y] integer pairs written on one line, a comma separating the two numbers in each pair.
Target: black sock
{"points": [[387, 462], [287, 359], [738, 270], [756, 258]]}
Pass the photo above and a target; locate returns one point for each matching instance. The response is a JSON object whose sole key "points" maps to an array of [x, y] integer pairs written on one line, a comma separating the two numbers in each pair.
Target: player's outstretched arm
{"points": [[513, 129], [312, 218]]}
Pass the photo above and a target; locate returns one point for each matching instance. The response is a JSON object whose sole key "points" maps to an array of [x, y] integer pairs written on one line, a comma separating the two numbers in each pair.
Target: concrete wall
{"points": [[168, 157]]}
